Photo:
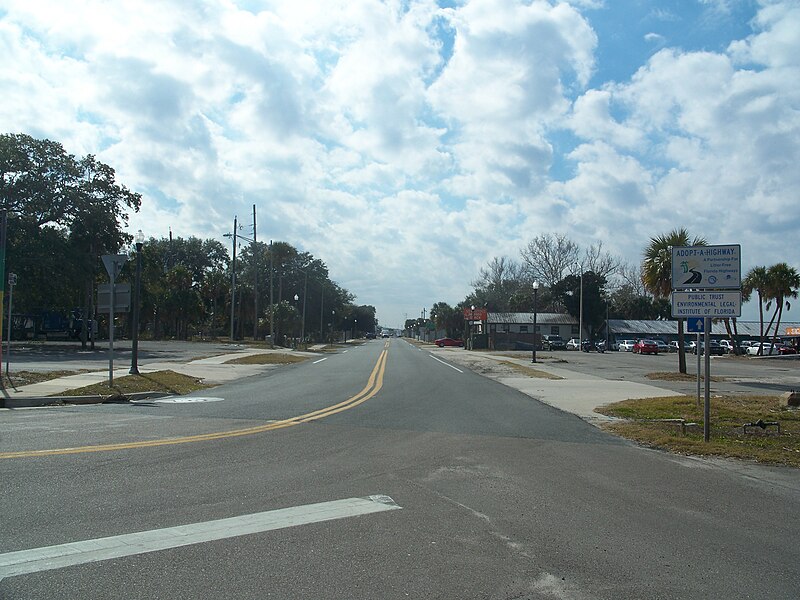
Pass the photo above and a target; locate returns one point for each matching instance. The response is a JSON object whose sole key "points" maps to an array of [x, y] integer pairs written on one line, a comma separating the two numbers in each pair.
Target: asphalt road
{"points": [[499, 496]]}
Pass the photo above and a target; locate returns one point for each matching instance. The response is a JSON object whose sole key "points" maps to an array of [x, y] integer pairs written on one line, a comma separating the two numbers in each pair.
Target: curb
{"points": [[45, 401]]}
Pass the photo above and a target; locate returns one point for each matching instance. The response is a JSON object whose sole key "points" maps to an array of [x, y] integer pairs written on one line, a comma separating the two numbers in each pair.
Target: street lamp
{"points": [[296, 299], [139, 241], [535, 309], [12, 281]]}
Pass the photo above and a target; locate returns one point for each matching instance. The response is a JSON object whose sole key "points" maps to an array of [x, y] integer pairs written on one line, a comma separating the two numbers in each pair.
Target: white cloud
{"points": [[405, 144]]}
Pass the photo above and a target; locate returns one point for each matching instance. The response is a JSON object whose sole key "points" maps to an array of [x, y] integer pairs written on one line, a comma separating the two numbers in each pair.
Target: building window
{"points": [[575, 329], [554, 330], [523, 329], [538, 328]]}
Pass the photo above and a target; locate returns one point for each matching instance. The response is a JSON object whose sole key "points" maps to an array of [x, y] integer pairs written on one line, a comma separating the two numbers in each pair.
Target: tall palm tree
{"points": [[657, 272], [782, 282], [757, 281]]}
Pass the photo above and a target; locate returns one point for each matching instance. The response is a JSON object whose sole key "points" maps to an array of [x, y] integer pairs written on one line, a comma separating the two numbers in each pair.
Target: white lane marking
{"points": [[445, 364], [319, 361], [76, 553], [185, 400]]}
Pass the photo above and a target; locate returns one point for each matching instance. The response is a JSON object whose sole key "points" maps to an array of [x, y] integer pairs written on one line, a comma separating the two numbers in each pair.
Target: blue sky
{"points": [[408, 143]]}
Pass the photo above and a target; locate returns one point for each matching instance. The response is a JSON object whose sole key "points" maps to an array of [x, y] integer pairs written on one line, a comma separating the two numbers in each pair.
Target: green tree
{"points": [[757, 281], [657, 273], [783, 282], [568, 292]]}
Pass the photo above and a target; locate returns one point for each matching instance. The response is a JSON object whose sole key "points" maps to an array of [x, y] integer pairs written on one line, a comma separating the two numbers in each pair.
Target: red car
{"points": [[442, 342], [645, 347], [786, 349]]}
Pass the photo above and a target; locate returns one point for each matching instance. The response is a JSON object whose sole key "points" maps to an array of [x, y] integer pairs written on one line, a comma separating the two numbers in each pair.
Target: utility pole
{"points": [[271, 297], [255, 278], [233, 279]]}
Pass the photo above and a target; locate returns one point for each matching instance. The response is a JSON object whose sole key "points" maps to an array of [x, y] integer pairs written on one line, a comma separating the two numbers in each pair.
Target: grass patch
{"points": [[272, 358], [529, 371], [728, 414], [160, 381], [670, 376]]}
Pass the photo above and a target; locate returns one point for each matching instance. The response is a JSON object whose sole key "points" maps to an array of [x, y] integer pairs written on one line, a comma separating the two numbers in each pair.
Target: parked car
{"points": [[626, 345], [786, 349], [727, 346], [442, 342], [553, 342], [663, 346], [589, 346], [715, 349], [645, 347], [675, 345], [573, 344], [767, 349]]}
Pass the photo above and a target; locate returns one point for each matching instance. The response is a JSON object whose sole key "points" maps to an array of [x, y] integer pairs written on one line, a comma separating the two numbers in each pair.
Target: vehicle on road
{"points": [[442, 342], [573, 344], [553, 342], [626, 345], [645, 347], [589, 346]]}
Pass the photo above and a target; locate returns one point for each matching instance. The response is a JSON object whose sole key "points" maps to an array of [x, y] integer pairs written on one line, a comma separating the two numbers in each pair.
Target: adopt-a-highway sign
{"points": [[714, 267], [716, 305]]}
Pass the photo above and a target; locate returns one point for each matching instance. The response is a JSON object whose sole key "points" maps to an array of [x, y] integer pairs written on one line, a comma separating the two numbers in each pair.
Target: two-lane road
{"points": [[382, 472]]}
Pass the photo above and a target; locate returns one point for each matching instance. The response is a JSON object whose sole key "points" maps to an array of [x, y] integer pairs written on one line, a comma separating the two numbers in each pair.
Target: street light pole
{"points": [[535, 310], [305, 295], [139, 239], [12, 281], [233, 280]]}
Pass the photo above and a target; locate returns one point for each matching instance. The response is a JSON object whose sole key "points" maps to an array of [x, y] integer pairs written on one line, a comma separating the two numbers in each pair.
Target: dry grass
{"points": [[272, 358], [159, 381], [529, 371], [727, 439], [672, 376]]}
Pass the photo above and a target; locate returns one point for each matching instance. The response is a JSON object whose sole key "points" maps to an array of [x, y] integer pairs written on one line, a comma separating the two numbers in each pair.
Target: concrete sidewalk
{"points": [[211, 370], [576, 393]]}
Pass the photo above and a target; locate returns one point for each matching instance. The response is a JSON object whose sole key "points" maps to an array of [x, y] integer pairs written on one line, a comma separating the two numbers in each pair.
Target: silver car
{"points": [[626, 345]]}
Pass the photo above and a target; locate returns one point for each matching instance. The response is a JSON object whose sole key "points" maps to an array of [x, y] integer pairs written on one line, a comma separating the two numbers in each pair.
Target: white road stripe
{"points": [[319, 361], [445, 364], [76, 553]]}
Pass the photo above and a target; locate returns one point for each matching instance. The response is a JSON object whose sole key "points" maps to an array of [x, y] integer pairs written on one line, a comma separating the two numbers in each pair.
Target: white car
{"points": [[626, 345], [768, 350], [574, 344]]}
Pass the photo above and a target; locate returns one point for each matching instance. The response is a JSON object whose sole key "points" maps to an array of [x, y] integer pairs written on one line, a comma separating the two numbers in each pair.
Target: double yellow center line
{"points": [[374, 385]]}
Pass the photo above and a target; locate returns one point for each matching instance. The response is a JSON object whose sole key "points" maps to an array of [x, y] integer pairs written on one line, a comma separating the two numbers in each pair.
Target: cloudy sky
{"points": [[406, 143]]}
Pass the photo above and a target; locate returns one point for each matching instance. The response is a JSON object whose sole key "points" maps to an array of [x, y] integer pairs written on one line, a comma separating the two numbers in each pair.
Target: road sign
{"points": [[715, 267], [716, 305], [695, 325], [114, 263], [122, 297], [476, 314]]}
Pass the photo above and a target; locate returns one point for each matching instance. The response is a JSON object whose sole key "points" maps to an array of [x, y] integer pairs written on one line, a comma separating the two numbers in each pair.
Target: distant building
{"points": [[509, 331]]}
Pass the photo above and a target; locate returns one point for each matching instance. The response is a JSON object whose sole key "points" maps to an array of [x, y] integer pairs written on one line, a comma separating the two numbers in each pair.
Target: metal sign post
{"points": [[113, 264], [696, 325], [706, 284], [707, 372]]}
